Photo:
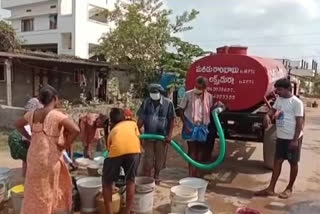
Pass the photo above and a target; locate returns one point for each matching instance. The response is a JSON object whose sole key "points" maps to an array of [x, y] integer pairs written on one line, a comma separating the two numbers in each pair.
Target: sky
{"points": [[3, 13], [272, 28]]}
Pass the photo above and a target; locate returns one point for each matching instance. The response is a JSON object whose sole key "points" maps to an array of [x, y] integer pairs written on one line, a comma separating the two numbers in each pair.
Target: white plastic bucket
{"points": [[83, 163], [180, 196], [89, 188], [198, 183], [143, 198], [99, 160], [4, 180]]}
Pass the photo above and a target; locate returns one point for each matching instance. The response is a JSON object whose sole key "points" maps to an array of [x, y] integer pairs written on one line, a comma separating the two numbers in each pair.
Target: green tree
{"points": [[144, 40], [8, 37], [179, 60], [316, 87]]}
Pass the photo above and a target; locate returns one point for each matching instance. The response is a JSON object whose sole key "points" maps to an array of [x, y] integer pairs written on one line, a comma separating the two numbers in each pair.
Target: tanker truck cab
{"points": [[245, 84]]}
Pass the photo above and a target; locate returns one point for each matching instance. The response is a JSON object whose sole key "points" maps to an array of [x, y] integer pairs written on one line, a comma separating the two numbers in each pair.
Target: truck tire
{"points": [[269, 147]]}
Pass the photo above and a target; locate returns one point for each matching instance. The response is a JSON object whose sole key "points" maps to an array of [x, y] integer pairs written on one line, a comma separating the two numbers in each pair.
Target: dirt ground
{"points": [[233, 184]]}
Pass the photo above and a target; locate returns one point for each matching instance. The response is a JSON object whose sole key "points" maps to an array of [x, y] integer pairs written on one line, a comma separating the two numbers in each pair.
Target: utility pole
{"points": [[8, 69]]}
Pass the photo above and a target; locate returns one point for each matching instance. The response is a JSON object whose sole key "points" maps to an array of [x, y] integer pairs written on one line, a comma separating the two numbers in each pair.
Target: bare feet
{"points": [[126, 211], [157, 181], [265, 193], [286, 194]]}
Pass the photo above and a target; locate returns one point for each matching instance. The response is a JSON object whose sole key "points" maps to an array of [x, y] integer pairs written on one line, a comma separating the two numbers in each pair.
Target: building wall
{"points": [[66, 25], [3, 84], [40, 37], [64, 82], [22, 86], [40, 13], [81, 44], [41, 23], [65, 7], [8, 115], [72, 18], [36, 9], [124, 77], [100, 3], [16, 24], [6, 4], [87, 31], [3, 93], [95, 31]]}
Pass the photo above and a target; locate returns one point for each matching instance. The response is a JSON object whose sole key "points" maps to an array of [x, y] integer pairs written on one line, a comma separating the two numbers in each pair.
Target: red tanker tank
{"points": [[238, 80]]}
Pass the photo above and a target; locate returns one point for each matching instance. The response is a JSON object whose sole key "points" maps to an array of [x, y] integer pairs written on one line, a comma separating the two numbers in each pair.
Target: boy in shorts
{"points": [[124, 149]]}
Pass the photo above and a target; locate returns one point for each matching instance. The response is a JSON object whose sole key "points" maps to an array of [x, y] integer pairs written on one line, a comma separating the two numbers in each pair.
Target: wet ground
{"points": [[233, 184]]}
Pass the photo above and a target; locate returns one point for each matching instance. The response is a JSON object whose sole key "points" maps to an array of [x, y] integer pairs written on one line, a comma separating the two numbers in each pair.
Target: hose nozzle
{"points": [[219, 109]]}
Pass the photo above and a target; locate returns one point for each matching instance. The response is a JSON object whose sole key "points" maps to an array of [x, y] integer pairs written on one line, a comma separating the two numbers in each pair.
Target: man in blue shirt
{"points": [[156, 115]]}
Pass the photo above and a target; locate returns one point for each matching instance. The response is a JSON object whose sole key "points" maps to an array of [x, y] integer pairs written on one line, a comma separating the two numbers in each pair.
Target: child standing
{"points": [[124, 149]]}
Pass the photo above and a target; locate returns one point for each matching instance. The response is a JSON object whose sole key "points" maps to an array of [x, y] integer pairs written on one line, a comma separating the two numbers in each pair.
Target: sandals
{"points": [[264, 193], [286, 194]]}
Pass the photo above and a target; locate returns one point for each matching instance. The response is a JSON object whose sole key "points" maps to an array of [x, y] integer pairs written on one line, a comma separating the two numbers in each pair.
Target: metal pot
{"points": [[198, 207], [93, 170]]}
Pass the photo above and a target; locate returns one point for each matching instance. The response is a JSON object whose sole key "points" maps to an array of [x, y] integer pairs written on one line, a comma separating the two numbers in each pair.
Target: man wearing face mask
{"points": [[195, 113], [156, 115]]}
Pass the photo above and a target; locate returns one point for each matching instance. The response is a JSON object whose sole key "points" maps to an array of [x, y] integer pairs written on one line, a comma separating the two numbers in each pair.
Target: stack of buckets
{"points": [[92, 201], [90, 188], [143, 197], [189, 197]]}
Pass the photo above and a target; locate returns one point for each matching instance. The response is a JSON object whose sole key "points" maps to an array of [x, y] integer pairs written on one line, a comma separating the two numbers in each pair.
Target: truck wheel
{"points": [[269, 147]]}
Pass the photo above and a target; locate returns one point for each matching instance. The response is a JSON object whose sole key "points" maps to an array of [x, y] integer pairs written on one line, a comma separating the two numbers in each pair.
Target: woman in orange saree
{"points": [[48, 186]]}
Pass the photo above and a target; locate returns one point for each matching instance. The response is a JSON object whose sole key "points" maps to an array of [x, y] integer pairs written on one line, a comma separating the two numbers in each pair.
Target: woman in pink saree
{"points": [[48, 186]]}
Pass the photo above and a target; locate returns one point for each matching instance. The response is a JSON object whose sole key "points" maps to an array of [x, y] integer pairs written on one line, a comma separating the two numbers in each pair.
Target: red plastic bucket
{"points": [[245, 210]]}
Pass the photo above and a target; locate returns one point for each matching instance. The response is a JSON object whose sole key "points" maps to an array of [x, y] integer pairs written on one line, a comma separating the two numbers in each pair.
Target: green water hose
{"points": [[184, 155]]}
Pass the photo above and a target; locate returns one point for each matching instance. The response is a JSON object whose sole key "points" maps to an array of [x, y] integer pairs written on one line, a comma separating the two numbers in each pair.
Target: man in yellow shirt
{"points": [[124, 149]]}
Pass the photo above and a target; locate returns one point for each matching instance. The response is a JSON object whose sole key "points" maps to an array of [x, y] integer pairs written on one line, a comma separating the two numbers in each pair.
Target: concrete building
{"points": [[71, 27], [302, 70]]}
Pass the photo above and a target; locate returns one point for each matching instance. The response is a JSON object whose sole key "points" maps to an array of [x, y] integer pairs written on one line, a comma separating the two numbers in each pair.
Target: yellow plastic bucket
{"points": [[17, 193]]}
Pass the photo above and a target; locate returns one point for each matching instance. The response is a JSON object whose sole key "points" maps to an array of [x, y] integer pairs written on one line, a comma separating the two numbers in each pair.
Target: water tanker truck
{"points": [[245, 84]]}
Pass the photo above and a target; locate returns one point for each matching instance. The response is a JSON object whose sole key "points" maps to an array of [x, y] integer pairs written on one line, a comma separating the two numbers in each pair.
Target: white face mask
{"points": [[155, 96]]}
